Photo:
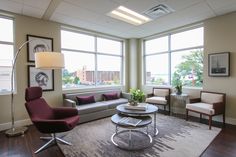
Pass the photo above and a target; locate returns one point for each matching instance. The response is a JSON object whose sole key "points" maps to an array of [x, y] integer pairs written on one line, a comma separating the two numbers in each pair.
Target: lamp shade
{"points": [[49, 60]]}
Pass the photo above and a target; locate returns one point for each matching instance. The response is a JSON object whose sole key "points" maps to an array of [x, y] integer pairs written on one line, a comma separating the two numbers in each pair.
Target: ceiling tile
{"points": [[221, 7], [140, 5], [178, 5], [42, 4], [12, 6], [104, 6], [33, 12]]}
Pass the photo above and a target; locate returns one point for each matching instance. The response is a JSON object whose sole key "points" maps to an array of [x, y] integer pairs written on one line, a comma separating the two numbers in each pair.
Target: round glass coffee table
{"points": [[151, 109]]}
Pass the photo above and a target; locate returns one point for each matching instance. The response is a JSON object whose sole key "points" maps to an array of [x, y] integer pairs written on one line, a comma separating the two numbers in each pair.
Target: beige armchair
{"points": [[159, 96], [209, 103]]}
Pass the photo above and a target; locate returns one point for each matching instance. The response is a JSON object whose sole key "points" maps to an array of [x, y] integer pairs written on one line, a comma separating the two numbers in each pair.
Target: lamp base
{"points": [[16, 131]]}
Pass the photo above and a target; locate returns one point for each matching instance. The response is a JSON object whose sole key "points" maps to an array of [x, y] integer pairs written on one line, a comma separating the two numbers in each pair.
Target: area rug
{"points": [[176, 138]]}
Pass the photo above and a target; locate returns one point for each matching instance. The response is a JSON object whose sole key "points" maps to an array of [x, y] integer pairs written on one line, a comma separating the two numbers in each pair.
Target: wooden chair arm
{"points": [[218, 107], [194, 100]]}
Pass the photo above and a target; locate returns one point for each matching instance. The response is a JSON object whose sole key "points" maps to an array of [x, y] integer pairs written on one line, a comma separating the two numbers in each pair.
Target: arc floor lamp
{"points": [[43, 60]]}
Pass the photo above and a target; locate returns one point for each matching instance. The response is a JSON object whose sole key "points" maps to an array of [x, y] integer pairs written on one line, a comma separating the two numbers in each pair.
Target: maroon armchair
{"points": [[49, 120]]}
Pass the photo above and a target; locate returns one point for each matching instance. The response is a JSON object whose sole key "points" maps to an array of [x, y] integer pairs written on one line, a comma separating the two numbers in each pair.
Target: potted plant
{"points": [[136, 96], [178, 88]]}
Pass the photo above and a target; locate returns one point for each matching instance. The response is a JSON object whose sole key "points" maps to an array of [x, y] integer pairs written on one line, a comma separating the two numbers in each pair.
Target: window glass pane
{"points": [[187, 68], [77, 41], [108, 46], [157, 69], [187, 39], [109, 70], [79, 70], [5, 79], [6, 30], [156, 45], [6, 55]]}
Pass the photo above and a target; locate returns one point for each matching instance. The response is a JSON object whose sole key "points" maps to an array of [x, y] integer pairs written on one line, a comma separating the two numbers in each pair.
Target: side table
{"points": [[181, 99]]}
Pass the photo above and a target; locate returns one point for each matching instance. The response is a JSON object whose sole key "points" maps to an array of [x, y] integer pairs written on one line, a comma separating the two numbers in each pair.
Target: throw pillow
{"points": [[85, 99], [110, 96]]}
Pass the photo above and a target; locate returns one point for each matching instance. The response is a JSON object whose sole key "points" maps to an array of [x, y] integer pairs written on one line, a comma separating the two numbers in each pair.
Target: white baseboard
{"points": [[19, 123]]}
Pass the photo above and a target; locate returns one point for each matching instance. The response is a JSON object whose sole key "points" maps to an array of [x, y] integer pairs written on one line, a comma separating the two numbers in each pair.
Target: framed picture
{"points": [[42, 78], [38, 44], [219, 64]]}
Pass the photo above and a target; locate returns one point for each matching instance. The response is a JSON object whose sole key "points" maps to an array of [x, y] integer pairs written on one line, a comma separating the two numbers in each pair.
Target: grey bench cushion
{"points": [[93, 107], [113, 103]]}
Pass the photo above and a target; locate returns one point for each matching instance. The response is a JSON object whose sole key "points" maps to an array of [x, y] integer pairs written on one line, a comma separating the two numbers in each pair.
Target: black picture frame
{"points": [[36, 44], [219, 64], [41, 77]]}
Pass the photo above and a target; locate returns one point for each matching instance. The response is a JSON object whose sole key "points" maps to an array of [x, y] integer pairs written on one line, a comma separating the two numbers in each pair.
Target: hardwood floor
{"points": [[224, 145]]}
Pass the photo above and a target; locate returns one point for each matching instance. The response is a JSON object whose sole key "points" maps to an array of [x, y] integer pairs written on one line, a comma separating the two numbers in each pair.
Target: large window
{"points": [[175, 58], [6, 53], [90, 60]]}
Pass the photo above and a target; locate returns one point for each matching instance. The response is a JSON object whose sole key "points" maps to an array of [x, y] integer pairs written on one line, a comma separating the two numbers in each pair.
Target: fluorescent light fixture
{"points": [[127, 15]]}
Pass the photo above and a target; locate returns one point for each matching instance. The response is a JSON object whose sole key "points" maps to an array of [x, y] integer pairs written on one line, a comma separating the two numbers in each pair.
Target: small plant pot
{"points": [[179, 92]]}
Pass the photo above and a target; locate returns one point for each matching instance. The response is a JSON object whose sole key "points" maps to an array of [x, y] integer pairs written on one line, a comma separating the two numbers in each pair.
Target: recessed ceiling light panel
{"points": [[129, 16]]}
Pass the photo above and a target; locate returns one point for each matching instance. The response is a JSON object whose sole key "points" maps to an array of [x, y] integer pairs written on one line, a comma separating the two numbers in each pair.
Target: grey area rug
{"points": [[176, 138]]}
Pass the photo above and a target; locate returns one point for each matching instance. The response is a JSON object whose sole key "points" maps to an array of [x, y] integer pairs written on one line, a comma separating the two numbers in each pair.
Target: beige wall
{"points": [[220, 36], [26, 25]]}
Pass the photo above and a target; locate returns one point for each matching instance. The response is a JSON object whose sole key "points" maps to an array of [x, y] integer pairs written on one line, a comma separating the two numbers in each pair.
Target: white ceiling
{"points": [[91, 14]]}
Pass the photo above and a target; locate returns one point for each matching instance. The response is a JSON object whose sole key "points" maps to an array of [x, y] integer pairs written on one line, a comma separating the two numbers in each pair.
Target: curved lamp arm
{"points": [[18, 131]]}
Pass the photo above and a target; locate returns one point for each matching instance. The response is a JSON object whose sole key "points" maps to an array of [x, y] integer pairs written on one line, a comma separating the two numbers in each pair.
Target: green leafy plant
{"points": [[179, 88], [137, 95]]}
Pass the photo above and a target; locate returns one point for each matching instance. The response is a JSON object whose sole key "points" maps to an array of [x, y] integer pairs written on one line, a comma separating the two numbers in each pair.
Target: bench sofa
{"points": [[100, 108]]}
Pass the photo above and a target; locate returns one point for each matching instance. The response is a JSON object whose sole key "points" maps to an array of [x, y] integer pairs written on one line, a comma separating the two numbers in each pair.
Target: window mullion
{"points": [[169, 54], [96, 65]]}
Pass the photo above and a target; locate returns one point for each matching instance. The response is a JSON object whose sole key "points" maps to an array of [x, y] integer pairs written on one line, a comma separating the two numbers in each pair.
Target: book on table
{"points": [[140, 106], [130, 121]]}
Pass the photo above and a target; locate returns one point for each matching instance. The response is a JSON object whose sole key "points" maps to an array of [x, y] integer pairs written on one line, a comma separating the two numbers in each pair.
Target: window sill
{"points": [[7, 93], [91, 88], [169, 86]]}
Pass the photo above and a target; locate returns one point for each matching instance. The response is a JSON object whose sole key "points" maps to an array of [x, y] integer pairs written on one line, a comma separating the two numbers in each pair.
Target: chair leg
{"points": [[186, 114], [210, 121], [169, 109], [52, 140], [224, 120], [45, 145], [63, 141]]}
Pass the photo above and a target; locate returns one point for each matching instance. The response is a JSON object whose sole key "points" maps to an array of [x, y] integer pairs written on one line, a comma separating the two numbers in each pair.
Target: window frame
{"points": [[168, 34], [96, 53], [14, 48]]}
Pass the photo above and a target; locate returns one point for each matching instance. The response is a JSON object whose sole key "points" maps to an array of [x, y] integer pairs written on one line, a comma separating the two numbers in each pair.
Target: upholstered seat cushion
{"points": [[157, 100], [201, 107]]}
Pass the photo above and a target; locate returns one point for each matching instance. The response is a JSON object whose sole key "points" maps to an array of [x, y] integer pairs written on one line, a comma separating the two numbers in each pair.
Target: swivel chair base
{"points": [[52, 140]]}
